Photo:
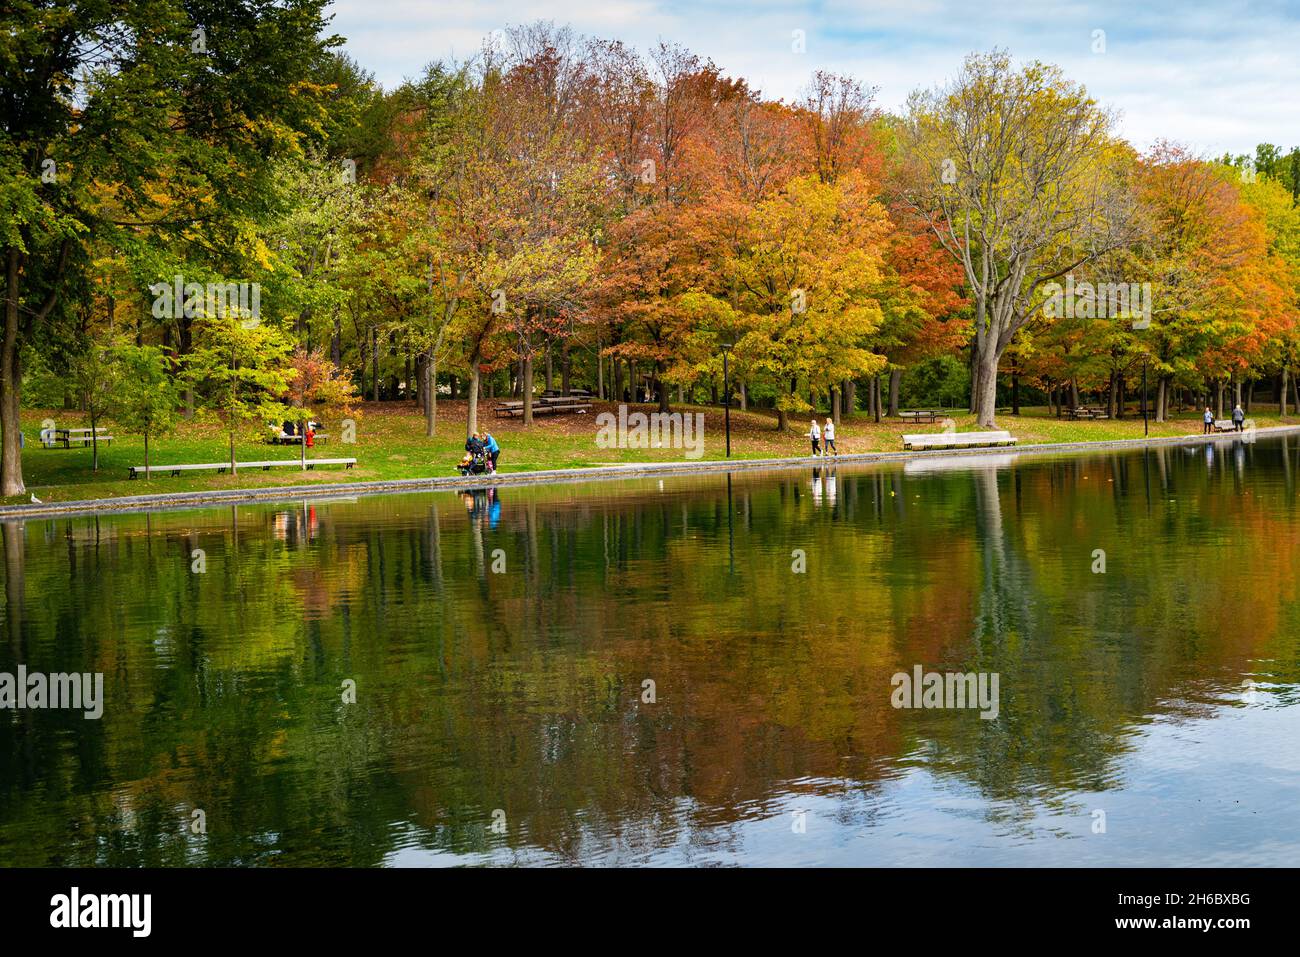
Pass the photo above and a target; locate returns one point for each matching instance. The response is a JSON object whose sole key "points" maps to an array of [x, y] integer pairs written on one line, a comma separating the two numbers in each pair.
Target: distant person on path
{"points": [[492, 448], [1208, 419], [815, 434], [1238, 417], [828, 433]]}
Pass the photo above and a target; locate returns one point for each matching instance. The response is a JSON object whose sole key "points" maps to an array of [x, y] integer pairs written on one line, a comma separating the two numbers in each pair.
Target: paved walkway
{"points": [[160, 500]]}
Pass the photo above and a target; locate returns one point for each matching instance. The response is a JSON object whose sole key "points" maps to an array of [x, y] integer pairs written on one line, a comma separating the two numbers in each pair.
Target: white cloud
{"points": [[1219, 77]]}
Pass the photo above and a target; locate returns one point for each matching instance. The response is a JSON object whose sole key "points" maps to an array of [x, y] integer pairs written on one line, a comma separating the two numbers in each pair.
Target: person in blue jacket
{"points": [[492, 448]]}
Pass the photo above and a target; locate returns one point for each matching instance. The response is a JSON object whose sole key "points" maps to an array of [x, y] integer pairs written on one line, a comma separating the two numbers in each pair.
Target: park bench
{"points": [[51, 438], [175, 470], [1225, 425], [957, 440], [922, 415]]}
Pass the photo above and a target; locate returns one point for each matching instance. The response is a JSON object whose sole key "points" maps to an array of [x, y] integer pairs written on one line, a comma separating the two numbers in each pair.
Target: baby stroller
{"points": [[475, 463]]}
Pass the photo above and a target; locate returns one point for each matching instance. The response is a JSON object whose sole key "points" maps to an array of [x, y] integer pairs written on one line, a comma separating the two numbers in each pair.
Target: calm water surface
{"points": [[500, 647]]}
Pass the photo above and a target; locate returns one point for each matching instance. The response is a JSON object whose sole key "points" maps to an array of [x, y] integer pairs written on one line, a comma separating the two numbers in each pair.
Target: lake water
{"points": [[693, 671]]}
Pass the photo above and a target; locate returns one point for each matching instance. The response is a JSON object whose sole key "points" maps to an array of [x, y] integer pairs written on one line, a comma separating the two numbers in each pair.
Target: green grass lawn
{"points": [[390, 444]]}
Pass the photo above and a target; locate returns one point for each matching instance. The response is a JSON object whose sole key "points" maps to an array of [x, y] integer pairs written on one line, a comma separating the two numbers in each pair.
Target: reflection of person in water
{"points": [[494, 509], [476, 503]]}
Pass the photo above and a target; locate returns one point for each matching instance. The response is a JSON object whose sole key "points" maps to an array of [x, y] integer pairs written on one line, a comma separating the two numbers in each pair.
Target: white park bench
{"points": [[138, 470], [957, 440], [1225, 425], [52, 438]]}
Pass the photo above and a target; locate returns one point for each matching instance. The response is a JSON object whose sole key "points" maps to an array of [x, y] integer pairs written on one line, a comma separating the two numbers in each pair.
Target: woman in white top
{"points": [[815, 434], [829, 433]]}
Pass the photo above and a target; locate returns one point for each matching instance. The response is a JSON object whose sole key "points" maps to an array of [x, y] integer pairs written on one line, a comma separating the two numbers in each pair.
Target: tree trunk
{"points": [[186, 328], [1281, 394], [659, 386], [744, 397], [526, 387], [431, 394], [974, 378], [471, 421], [146, 456], [1074, 393], [233, 470], [850, 397], [11, 472], [895, 383], [835, 406], [986, 405]]}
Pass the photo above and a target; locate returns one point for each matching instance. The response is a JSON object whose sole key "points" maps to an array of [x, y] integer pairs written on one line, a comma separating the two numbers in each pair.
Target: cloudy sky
{"points": [[1216, 76]]}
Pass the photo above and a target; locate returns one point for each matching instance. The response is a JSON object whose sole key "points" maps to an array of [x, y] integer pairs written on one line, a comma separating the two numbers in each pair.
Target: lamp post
{"points": [[726, 393], [1145, 428]]}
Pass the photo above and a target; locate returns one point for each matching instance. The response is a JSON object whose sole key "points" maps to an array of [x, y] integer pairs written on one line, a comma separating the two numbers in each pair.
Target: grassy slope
{"points": [[391, 444]]}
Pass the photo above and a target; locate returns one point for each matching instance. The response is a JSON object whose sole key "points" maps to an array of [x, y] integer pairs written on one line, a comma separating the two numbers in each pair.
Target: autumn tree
{"points": [[1017, 173]]}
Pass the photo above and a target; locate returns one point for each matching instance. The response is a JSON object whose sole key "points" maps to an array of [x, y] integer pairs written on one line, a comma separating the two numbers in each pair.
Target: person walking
{"points": [[1238, 417], [828, 434], [815, 434], [1208, 419]]}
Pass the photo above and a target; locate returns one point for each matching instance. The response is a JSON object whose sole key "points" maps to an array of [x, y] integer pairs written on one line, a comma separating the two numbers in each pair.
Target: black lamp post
{"points": [[1146, 431], [726, 393]]}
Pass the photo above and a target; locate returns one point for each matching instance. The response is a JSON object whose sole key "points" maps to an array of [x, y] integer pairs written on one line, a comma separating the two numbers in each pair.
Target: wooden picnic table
{"points": [[542, 405], [284, 438], [922, 415], [1086, 412]]}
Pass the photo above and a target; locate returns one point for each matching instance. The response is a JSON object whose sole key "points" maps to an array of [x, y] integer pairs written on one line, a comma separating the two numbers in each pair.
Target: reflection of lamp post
{"points": [[726, 393]]}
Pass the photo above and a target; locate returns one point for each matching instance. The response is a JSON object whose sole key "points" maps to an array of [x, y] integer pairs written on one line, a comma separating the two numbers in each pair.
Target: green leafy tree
{"points": [[148, 398], [316, 385], [179, 106], [98, 378], [243, 368]]}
